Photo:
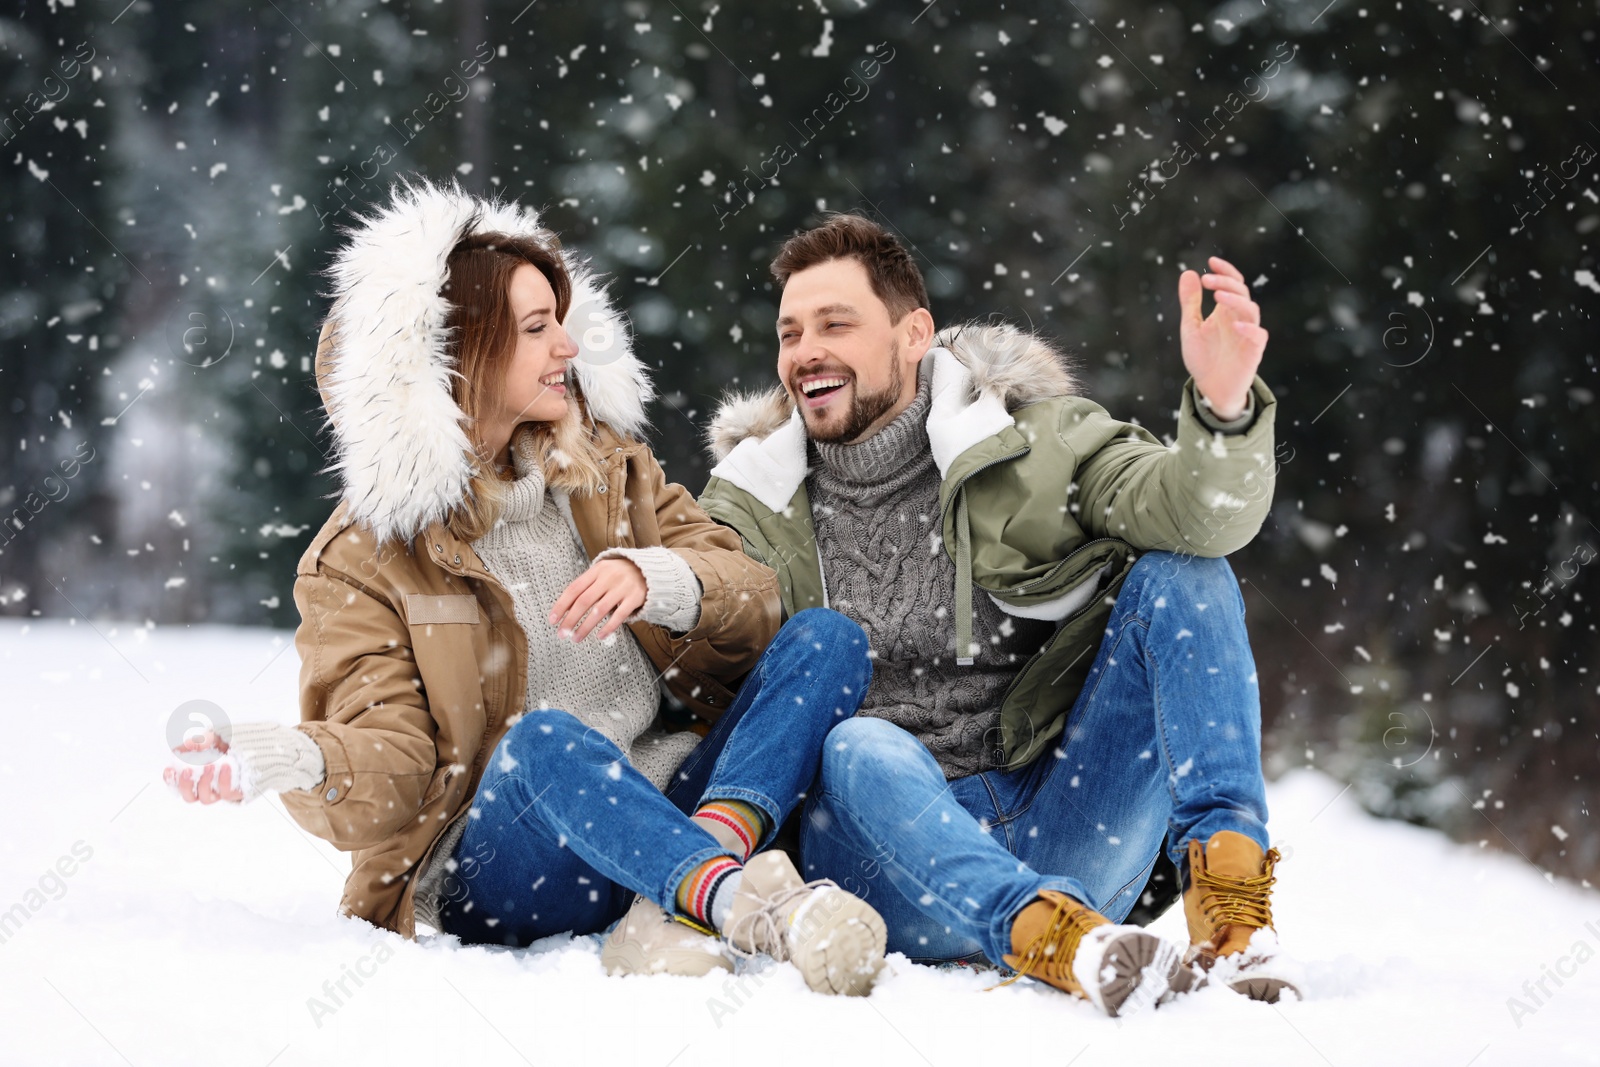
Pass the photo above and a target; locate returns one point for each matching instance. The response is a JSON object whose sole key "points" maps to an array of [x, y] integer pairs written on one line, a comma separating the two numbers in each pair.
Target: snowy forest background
{"points": [[1409, 187]]}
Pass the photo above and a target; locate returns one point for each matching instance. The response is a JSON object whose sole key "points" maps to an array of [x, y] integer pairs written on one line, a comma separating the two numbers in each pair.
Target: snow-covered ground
{"points": [[153, 934]]}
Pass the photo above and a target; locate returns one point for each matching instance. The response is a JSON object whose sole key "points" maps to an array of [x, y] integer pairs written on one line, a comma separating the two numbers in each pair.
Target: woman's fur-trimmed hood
{"points": [[1016, 367], [384, 369]]}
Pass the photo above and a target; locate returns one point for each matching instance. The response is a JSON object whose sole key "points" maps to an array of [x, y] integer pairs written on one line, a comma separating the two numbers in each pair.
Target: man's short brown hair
{"points": [[894, 277]]}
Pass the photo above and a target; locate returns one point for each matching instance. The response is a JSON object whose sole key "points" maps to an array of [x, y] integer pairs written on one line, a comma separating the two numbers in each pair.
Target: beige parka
{"points": [[413, 664]]}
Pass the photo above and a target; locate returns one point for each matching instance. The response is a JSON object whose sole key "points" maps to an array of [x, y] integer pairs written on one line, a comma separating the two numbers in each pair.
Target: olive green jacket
{"points": [[1041, 492]]}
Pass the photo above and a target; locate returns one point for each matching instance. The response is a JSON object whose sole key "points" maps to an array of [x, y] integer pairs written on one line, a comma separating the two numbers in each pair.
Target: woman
{"points": [[488, 615]]}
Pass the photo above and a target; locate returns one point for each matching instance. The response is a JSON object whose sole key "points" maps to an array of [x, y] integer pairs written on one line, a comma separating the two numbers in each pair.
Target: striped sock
{"points": [[706, 893], [748, 822]]}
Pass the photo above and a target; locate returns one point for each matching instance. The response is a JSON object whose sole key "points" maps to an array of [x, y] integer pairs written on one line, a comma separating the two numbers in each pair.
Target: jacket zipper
{"points": [[963, 559], [1023, 451]]}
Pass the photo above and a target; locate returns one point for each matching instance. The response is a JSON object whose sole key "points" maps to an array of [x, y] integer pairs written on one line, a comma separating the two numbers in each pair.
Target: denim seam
{"points": [[1001, 819], [1161, 738], [1161, 719], [1044, 779], [1141, 879], [678, 874], [1175, 845], [1068, 737]]}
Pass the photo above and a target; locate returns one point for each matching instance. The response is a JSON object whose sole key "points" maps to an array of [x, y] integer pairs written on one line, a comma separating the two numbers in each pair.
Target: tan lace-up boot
{"points": [[649, 941], [835, 938], [1071, 946], [1229, 907]]}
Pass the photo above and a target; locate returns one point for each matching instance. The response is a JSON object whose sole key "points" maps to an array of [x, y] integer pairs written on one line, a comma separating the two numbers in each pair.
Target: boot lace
{"points": [[770, 920], [1239, 901], [1057, 943]]}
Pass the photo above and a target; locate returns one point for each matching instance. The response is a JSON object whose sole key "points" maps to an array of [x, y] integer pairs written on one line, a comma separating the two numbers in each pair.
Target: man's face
{"points": [[843, 361]]}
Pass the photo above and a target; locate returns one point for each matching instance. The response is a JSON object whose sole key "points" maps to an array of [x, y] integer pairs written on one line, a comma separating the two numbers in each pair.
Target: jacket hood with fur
{"points": [[384, 370], [980, 375], [1014, 366]]}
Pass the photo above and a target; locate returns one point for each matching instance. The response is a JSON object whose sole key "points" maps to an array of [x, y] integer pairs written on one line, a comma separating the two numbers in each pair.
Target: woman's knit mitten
{"points": [[273, 758]]}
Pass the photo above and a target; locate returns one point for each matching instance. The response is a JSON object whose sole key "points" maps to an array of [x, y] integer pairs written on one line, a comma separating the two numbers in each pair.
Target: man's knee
{"points": [[866, 748], [1204, 576]]}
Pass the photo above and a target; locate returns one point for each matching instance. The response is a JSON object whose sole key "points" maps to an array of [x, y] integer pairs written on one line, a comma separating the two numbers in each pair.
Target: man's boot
{"points": [[1071, 946], [835, 938], [1228, 901]]}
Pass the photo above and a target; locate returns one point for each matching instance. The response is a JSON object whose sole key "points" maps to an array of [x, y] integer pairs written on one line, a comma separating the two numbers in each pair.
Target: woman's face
{"points": [[536, 388]]}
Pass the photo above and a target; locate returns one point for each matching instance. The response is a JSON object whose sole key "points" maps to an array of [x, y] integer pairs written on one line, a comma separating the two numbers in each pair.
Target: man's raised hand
{"points": [[1221, 350]]}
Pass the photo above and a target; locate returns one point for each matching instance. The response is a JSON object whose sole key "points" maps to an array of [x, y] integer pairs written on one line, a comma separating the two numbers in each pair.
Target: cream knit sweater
{"points": [[608, 685]]}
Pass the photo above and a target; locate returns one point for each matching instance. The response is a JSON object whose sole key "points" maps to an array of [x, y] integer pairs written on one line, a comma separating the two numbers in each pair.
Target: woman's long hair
{"points": [[483, 334]]}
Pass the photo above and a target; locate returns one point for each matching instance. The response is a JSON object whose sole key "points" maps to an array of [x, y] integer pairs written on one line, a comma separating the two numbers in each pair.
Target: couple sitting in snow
{"points": [[976, 635]]}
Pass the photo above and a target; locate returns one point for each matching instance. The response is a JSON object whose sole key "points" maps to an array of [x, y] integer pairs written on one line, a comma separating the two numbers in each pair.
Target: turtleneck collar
{"points": [[894, 449], [526, 495]]}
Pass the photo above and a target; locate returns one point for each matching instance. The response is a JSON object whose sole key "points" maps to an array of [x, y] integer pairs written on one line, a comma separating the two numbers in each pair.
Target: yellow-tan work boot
{"points": [[1118, 969], [1229, 906]]}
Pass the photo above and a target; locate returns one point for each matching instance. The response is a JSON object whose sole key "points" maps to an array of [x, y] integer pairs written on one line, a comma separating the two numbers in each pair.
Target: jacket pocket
{"points": [[424, 608]]}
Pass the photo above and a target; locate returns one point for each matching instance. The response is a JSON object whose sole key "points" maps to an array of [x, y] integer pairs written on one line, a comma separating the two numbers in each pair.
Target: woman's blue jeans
{"points": [[1163, 740], [563, 831]]}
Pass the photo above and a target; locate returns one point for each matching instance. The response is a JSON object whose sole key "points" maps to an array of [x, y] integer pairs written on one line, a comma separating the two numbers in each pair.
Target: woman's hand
{"points": [[611, 587], [255, 758], [206, 783]]}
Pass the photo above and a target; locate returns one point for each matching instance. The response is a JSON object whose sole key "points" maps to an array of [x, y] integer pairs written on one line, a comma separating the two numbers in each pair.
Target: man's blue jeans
{"points": [[563, 831], [1164, 739]]}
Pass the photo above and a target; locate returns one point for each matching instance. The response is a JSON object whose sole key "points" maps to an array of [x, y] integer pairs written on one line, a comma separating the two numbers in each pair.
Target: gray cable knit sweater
{"points": [[876, 509]]}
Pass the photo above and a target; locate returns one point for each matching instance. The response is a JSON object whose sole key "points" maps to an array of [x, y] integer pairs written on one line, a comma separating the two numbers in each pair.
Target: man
{"points": [[1061, 675]]}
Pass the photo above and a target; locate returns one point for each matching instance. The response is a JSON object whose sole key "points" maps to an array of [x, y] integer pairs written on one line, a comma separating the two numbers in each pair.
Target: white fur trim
{"points": [[988, 371], [1018, 367], [956, 422], [401, 448], [770, 468], [615, 384]]}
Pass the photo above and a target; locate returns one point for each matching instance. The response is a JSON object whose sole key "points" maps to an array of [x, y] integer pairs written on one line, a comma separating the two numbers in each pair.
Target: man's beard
{"points": [[866, 408]]}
